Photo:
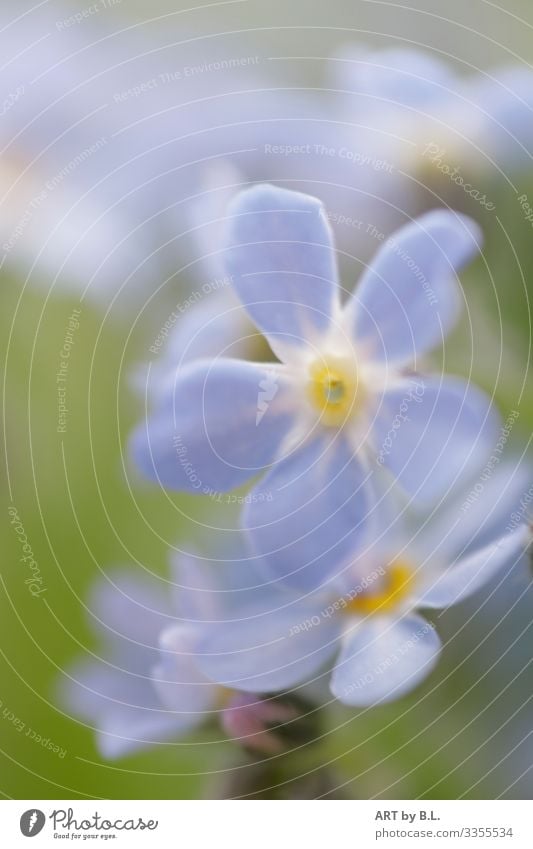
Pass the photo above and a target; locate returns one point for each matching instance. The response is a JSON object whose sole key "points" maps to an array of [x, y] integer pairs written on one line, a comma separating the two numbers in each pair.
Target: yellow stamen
{"points": [[335, 389], [396, 585]]}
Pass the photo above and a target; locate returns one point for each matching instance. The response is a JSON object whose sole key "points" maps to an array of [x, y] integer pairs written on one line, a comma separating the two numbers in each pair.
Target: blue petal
{"points": [[224, 422], [409, 298], [396, 76], [266, 652], [383, 659], [177, 678], [217, 326], [220, 181], [211, 590], [92, 687], [282, 259], [503, 107], [130, 608], [123, 709], [312, 513], [446, 428], [471, 573], [128, 730], [476, 513], [195, 588]]}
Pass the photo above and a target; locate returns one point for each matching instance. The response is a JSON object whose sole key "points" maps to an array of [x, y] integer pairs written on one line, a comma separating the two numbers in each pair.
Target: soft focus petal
{"points": [[312, 513], [128, 730], [429, 432], [194, 589], [223, 422], [178, 681], [383, 659], [220, 181], [282, 259], [504, 104], [91, 688], [471, 573], [122, 708], [409, 298], [205, 327], [268, 652], [397, 76], [477, 513], [133, 606]]}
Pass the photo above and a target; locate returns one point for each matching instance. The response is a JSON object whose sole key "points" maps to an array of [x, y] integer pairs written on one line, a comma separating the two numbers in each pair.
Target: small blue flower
{"points": [[368, 632], [342, 402], [146, 688], [412, 104]]}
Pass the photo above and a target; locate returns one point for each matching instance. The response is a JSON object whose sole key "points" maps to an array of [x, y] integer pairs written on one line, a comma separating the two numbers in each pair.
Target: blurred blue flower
{"points": [[123, 695], [109, 138], [367, 629], [343, 402], [147, 688], [412, 107], [72, 203]]}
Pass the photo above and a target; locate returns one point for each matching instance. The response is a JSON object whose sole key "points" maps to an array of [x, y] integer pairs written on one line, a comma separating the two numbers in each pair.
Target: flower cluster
{"points": [[218, 641], [371, 489], [360, 460]]}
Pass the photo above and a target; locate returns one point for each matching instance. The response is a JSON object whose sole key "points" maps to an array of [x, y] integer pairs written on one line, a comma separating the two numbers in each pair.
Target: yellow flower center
{"points": [[392, 590], [335, 389]]}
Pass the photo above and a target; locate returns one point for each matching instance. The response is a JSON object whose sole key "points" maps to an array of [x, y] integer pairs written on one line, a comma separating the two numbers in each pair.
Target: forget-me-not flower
{"points": [[146, 688], [368, 628], [123, 693], [343, 399], [106, 147]]}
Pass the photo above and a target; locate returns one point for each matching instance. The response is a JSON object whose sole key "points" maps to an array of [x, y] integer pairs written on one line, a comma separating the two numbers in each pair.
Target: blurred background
{"points": [[123, 129]]}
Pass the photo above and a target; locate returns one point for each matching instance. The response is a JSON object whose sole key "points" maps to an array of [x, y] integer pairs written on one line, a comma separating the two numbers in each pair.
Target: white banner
{"points": [[357, 824]]}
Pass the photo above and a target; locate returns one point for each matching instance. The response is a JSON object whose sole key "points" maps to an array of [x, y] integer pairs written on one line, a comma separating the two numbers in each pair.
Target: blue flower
{"points": [[209, 320], [147, 688], [124, 695], [366, 634], [93, 218], [411, 104], [342, 402]]}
